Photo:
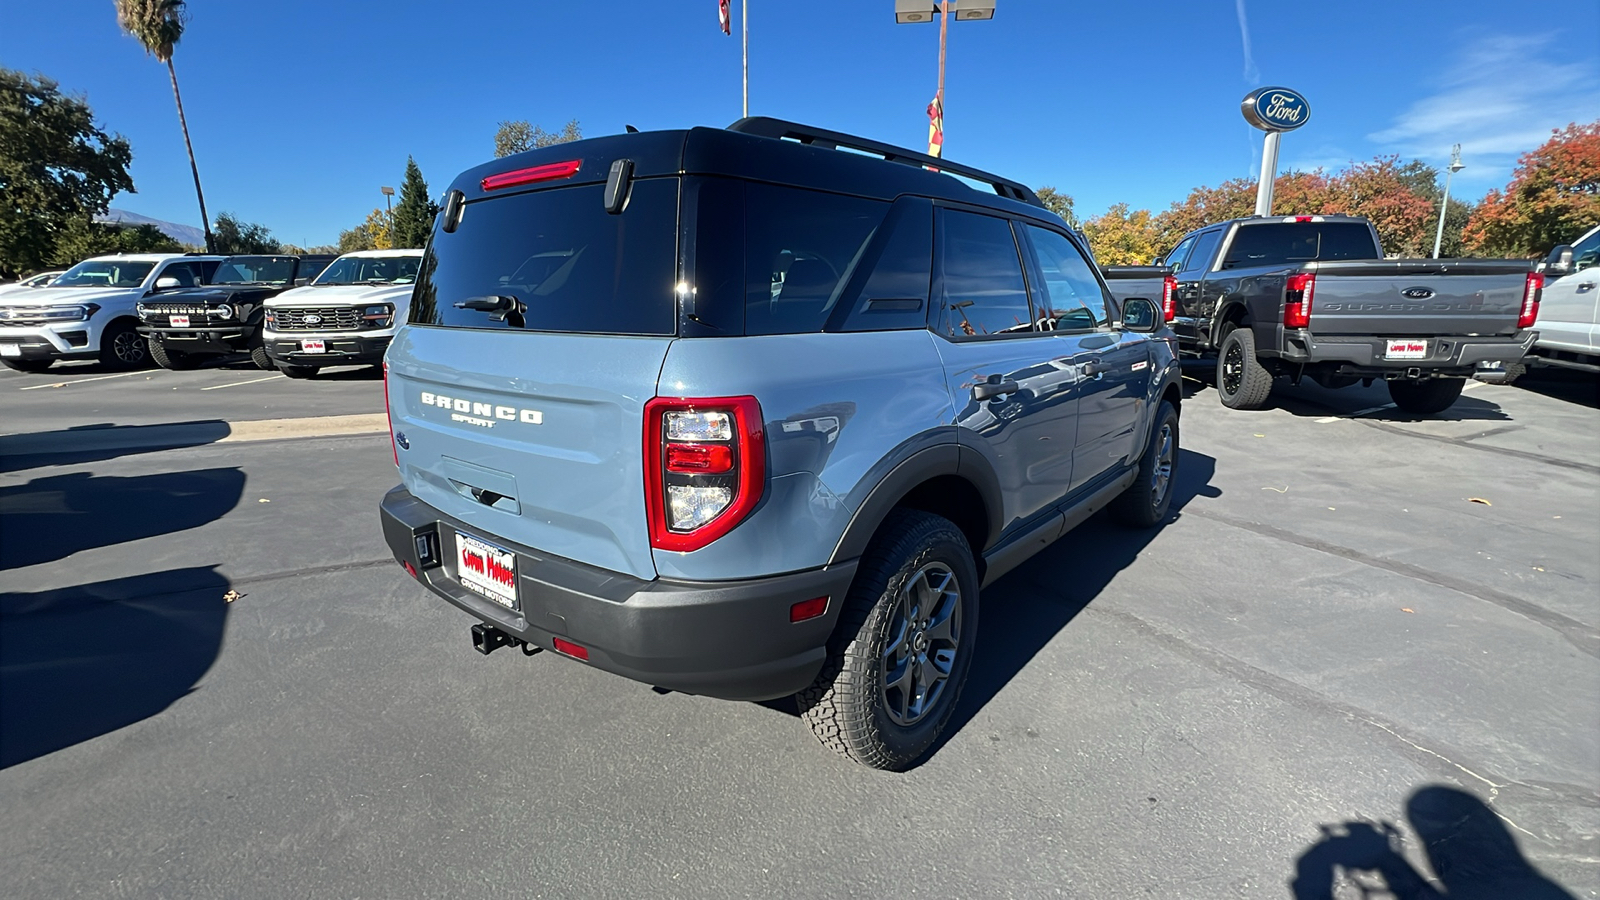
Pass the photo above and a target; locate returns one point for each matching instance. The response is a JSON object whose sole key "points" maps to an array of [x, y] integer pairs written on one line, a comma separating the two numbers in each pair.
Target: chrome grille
{"points": [[322, 318]]}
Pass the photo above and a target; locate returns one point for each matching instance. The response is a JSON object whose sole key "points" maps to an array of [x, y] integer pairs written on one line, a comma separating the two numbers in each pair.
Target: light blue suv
{"points": [[732, 412]]}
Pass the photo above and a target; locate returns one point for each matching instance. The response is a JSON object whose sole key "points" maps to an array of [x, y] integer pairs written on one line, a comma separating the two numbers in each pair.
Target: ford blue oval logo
{"points": [[1276, 109], [313, 320], [1417, 293]]}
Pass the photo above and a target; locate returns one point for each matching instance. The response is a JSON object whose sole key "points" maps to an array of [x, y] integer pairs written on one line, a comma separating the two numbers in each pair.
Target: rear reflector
{"points": [[808, 609], [546, 172], [570, 649], [410, 569], [1531, 290]]}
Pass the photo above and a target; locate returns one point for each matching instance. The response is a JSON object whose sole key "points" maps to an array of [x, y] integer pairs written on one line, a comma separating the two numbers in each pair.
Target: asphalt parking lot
{"points": [[1352, 616]]}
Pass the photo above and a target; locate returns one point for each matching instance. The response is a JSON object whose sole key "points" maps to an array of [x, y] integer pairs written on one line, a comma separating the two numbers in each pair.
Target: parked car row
{"points": [[293, 313]]}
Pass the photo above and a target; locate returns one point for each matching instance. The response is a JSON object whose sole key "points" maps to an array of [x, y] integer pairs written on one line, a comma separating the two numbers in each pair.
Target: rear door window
{"points": [[554, 260], [1200, 260], [981, 289], [799, 248]]}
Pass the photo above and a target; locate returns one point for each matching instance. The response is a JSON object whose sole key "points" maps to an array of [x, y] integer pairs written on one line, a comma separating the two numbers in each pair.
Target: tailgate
{"points": [[1417, 297], [533, 439]]}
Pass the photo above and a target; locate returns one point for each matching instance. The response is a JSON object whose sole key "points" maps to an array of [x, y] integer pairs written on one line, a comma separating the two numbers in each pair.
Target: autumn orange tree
{"points": [[1553, 197]]}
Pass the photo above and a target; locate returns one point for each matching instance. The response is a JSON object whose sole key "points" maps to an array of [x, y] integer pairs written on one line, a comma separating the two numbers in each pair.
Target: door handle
{"points": [[1096, 368], [989, 389], [1585, 286]]}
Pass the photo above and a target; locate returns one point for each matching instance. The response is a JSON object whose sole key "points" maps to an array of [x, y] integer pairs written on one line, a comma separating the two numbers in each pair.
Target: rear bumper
{"points": [[728, 639], [199, 340], [1365, 354], [342, 348]]}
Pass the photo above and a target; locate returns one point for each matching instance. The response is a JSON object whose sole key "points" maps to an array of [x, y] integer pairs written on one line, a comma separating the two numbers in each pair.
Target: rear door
{"points": [[1111, 368], [1011, 383], [1195, 308], [1571, 305], [519, 384]]}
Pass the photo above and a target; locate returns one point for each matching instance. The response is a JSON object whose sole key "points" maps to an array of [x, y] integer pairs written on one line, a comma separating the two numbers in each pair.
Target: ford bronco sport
{"points": [[734, 413]]}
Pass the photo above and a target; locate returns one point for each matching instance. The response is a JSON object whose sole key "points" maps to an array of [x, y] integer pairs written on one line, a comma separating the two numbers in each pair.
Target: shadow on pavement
{"points": [[1472, 854], [80, 662], [52, 518], [1563, 384], [94, 443]]}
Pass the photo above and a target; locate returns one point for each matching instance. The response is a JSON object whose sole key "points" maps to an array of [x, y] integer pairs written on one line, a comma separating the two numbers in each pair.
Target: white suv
{"points": [[89, 312], [347, 316]]}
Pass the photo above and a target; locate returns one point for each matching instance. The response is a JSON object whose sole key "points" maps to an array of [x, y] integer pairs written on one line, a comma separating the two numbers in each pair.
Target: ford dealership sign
{"points": [[1276, 109]]}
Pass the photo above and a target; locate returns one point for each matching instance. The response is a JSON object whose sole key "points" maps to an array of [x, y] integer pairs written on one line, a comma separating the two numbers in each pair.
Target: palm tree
{"points": [[158, 25]]}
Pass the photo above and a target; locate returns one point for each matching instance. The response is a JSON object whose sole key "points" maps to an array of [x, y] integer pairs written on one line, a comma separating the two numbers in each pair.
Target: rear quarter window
{"points": [[554, 260]]}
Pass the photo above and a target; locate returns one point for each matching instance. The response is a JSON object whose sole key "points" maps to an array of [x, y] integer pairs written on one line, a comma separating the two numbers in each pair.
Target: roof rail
{"points": [[765, 126]]}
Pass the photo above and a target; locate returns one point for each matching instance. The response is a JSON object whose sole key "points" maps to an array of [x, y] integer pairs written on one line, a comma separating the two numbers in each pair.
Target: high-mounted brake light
{"points": [[1297, 300], [1169, 298], [546, 172], [1531, 290], [704, 468], [1302, 218], [393, 447]]}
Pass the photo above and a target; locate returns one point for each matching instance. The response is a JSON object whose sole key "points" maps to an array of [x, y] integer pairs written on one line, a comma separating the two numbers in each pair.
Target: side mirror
{"points": [[1559, 262], [1140, 315], [166, 283]]}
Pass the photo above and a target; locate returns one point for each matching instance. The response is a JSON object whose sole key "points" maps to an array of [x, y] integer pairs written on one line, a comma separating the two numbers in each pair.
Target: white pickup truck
{"points": [[347, 316], [90, 311], [1569, 317]]}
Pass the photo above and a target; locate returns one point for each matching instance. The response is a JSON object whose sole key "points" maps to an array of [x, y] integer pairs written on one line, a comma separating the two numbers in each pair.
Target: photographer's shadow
{"points": [[1472, 854]]}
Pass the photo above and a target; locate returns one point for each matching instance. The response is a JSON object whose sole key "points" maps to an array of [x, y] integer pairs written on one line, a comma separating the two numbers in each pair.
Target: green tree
{"points": [[1120, 237], [517, 135], [1060, 204], [413, 217], [236, 236], [1423, 180], [373, 234], [1553, 197], [82, 238], [56, 168], [158, 25]]}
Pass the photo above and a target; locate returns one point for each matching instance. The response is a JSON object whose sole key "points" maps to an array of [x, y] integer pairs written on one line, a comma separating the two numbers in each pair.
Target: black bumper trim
{"points": [[727, 639], [342, 351]]}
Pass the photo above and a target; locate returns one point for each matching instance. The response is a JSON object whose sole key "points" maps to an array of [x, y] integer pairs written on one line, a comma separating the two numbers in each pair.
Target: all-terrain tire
{"points": [[176, 360], [123, 347], [1425, 397], [297, 371], [898, 617], [258, 354], [1242, 381], [1147, 501], [28, 365]]}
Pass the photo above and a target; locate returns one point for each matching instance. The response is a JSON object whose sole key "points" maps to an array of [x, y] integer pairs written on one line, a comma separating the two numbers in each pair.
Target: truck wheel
{"points": [[171, 359], [258, 355], [122, 347], [1146, 502], [1242, 381], [904, 643], [28, 365], [297, 371], [1431, 396]]}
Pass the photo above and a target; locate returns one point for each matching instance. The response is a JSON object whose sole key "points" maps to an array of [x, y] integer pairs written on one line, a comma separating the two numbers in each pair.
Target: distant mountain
{"points": [[186, 234]]}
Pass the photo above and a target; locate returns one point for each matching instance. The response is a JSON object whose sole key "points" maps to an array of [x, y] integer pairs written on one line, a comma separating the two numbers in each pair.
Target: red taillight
{"points": [[808, 609], [705, 467], [546, 172], [393, 447], [410, 569], [1530, 300], [1297, 301], [1169, 298], [570, 649]]}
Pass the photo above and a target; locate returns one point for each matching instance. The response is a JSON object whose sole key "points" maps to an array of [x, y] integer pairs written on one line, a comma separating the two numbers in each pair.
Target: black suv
{"points": [[225, 315]]}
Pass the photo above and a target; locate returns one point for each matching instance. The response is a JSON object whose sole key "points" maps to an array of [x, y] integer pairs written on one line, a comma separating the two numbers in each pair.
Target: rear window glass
{"points": [[555, 260], [1297, 242], [799, 246]]}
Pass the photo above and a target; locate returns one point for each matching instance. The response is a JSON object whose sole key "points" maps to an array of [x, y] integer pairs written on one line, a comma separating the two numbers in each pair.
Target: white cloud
{"points": [[1500, 97], [1252, 75]]}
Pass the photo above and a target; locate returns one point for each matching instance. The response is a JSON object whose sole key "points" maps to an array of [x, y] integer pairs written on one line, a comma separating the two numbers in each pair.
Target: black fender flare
{"points": [[931, 462]]}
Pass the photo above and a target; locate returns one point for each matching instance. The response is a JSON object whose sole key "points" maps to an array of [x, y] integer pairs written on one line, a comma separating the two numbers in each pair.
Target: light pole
{"points": [[916, 12], [1444, 204]]}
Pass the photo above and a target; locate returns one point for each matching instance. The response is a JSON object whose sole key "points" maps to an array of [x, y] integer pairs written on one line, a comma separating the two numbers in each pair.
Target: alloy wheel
{"points": [[925, 630]]}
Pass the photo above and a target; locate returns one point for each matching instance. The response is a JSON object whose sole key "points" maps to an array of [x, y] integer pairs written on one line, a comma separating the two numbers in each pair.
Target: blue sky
{"points": [[299, 111]]}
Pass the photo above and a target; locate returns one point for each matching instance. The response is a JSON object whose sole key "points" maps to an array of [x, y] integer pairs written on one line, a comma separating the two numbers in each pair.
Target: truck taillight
{"points": [[393, 447], [704, 468], [1297, 300], [1530, 300], [1169, 298]]}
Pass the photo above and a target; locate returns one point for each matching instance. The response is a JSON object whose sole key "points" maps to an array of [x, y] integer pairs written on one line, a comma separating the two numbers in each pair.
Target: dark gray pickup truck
{"points": [[1312, 297]]}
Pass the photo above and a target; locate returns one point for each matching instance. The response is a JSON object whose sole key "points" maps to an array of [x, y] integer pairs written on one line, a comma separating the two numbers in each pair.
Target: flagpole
{"points": [[944, 29], [744, 21]]}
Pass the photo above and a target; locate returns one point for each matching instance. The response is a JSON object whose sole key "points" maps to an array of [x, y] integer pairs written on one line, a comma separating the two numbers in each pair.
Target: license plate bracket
{"points": [[1406, 348], [179, 321], [487, 570]]}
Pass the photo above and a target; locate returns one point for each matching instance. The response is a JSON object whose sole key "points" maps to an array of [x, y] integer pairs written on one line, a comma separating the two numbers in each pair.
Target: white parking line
{"points": [[56, 384], [218, 387]]}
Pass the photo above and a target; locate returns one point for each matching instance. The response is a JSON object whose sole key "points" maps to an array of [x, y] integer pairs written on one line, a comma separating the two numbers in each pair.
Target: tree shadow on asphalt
{"points": [[52, 518], [1311, 400], [70, 446], [1472, 854], [1569, 385], [80, 662]]}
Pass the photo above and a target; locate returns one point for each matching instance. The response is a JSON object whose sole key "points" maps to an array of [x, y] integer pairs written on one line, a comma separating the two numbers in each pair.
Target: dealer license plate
{"points": [[313, 347], [10, 349], [180, 321], [486, 569], [1407, 349]]}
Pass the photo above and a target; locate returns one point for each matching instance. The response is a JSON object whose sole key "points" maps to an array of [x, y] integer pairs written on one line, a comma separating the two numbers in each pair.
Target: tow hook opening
{"points": [[486, 639]]}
